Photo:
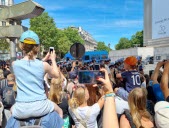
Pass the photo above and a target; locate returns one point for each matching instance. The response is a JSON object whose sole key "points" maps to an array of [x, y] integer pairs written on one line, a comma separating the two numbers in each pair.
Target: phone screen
{"points": [[51, 49], [89, 77]]}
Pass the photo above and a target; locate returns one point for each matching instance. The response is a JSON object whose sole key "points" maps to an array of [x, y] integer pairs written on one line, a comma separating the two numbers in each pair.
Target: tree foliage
{"points": [[45, 27], [136, 40], [73, 35], [50, 35], [4, 45], [123, 43], [102, 46]]}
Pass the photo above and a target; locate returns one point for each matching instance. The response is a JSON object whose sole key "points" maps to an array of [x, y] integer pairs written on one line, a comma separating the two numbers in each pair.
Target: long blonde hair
{"points": [[29, 49], [78, 98], [55, 93], [137, 103]]}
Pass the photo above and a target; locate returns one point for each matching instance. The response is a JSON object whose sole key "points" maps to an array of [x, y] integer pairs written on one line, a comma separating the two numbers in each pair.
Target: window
{"points": [[104, 56], [167, 57], [158, 57], [87, 57], [3, 23], [2, 2]]}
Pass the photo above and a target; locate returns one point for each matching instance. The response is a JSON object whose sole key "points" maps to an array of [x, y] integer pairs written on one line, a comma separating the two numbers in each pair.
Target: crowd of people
{"points": [[44, 93]]}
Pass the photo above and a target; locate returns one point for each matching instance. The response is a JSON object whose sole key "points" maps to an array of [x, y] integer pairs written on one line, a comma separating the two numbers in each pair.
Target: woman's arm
{"points": [[110, 119], [164, 80], [52, 70], [156, 72]]}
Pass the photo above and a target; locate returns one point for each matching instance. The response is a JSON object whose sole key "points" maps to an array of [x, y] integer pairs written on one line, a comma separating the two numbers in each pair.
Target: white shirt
{"points": [[82, 111]]}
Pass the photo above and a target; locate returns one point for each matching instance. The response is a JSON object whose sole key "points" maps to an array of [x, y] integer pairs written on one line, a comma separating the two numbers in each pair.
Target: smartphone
{"points": [[90, 77], [51, 49], [163, 64], [97, 67]]}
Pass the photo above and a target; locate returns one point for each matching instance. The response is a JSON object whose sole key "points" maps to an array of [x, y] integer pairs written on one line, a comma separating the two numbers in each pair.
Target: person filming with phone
{"points": [[31, 100]]}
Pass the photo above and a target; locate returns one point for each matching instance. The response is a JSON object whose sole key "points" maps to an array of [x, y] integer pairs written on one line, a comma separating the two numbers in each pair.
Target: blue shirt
{"points": [[157, 92], [132, 79], [51, 120], [29, 76]]}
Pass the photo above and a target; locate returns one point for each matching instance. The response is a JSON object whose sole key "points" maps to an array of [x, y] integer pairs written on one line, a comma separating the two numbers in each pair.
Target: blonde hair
{"points": [[55, 93], [78, 98], [29, 49], [11, 77], [137, 103]]}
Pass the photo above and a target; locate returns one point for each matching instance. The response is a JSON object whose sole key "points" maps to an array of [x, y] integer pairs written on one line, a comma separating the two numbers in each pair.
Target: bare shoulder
{"points": [[146, 123], [124, 123]]}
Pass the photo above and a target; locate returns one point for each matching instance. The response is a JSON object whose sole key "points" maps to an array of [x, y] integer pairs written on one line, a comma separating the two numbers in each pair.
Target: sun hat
{"points": [[29, 34], [162, 114], [131, 60]]}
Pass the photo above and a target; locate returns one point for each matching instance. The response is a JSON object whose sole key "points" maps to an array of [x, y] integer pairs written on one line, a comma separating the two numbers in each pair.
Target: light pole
{"points": [[109, 46]]}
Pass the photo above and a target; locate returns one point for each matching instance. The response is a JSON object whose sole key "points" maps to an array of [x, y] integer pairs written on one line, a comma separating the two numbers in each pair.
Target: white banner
{"points": [[160, 19]]}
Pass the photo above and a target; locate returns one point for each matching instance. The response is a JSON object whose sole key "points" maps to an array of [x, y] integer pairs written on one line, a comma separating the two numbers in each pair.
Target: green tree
{"points": [[123, 43], [63, 43], [137, 39], [102, 46], [73, 35], [4, 45], [45, 27]]}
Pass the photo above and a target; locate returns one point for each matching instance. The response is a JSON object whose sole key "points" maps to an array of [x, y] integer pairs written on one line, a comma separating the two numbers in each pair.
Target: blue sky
{"points": [[105, 20]]}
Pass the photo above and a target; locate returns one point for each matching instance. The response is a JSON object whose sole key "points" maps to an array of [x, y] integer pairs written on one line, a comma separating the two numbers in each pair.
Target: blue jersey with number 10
{"points": [[132, 79]]}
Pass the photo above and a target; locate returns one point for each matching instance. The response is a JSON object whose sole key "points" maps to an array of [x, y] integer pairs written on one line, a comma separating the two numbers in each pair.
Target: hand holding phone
{"points": [[163, 64], [90, 77]]}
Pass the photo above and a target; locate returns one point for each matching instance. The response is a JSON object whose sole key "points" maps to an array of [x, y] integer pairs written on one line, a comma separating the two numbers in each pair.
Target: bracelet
{"points": [[108, 92], [110, 95]]}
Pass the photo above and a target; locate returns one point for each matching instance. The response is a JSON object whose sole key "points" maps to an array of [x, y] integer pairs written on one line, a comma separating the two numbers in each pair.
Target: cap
{"points": [[131, 60], [29, 34], [162, 114]]}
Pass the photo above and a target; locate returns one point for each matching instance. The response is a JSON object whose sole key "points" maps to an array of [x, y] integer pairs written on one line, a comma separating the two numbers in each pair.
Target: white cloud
{"points": [[54, 7], [128, 23]]}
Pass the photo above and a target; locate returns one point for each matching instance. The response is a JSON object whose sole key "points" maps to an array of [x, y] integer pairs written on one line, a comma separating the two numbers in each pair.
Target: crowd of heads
{"points": [[128, 81]]}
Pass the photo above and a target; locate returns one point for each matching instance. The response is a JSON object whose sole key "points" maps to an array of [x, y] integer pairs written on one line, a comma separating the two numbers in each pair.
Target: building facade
{"points": [[156, 28], [90, 43]]}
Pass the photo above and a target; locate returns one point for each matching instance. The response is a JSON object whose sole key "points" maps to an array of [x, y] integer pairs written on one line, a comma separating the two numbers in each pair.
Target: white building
{"points": [[89, 43], [137, 51], [6, 2], [156, 27]]}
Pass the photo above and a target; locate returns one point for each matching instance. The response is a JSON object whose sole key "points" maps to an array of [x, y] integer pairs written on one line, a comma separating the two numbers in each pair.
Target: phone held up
{"points": [[90, 77], [163, 64], [51, 49]]}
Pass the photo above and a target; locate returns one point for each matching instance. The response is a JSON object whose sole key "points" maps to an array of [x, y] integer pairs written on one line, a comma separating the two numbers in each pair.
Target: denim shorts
{"points": [[24, 110]]}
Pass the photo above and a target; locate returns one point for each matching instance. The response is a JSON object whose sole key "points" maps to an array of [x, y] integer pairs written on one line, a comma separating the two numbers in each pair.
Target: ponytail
{"points": [[73, 103]]}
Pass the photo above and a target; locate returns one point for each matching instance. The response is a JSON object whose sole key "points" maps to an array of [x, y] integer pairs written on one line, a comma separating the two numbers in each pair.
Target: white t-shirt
{"points": [[121, 105], [82, 111]]}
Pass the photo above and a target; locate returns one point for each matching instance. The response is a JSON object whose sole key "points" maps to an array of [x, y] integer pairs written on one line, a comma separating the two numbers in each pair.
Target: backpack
{"points": [[8, 96], [35, 125]]}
